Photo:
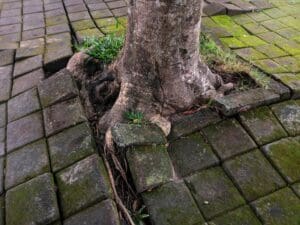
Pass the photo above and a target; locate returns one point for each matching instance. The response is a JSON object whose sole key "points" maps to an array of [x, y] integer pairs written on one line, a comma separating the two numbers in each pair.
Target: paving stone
{"points": [[10, 38], [84, 15], [7, 57], [53, 13], [233, 42], [59, 28], [70, 146], [104, 22], [214, 192], [296, 188], [27, 81], [246, 170], [5, 83], [292, 81], [2, 139], [172, 204], [249, 54], [2, 134], [125, 135], [288, 33], [262, 125], [190, 154], [104, 213], [1, 174], [10, 12], [288, 114], [82, 185], [10, 20], [251, 40], [27, 65], [33, 9], [23, 105], [271, 51], [120, 12], [33, 202], [255, 28], [285, 155], [2, 213], [33, 21], [8, 29], [54, 20], [279, 208], [289, 46], [76, 8], [20, 166], [32, 34], [24, 131], [103, 13], [270, 66], [97, 6], [289, 63], [63, 115], [116, 4], [52, 6], [275, 13], [2, 115], [228, 138], [240, 216], [141, 161], [82, 34], [83, 25]]}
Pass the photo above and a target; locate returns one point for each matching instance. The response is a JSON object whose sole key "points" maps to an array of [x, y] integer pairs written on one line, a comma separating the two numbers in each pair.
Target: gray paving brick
{"points": [[5, 82], [27, 65]]}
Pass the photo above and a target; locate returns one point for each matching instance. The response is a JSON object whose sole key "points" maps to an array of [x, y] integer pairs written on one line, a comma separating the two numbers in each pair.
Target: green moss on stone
{"points": [[83, 25], [232, 42], [251, 40]]}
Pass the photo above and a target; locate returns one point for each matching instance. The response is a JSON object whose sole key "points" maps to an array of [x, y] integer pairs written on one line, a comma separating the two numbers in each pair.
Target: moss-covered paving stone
{"points": [[233, 42], [242, 19], [292, 81], [289, 46], [269, 66], [254, 175], [285, 155], [241, 216], [250, 54], [214, 192], [251, 40], [1, 174], [2, 213], [273, 25], [2, 115], [150, 166], [83, 25], [229, 25], [270, 37], [255, 28], [290, 63], [83, 184], [71, 145], [20, 166], [172, 204], [259, 16], [190, 154], [94, 32], [106, 22], [271, 51], [279, 208], [228, 138], [296, 188], [288, 114], [263, 125], [33, 202], [289, 33]]}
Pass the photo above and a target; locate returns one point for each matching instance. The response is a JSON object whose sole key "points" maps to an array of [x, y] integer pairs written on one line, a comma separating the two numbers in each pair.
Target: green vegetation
{"points": [[104, 48], [140, 216], [134, 117]]}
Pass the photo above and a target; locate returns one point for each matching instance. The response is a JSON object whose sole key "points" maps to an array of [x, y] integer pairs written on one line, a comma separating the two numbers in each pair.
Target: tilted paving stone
{"points": [[63, 115], [103, 213], [23, 104], [70, 146], [285, 155], [141, 161], [172, 204], [263, 125], [241, 216], [288, 114], [2, 114], [246, 170], [190, 154], [24, 131], [33, 202], [5, 82], [27, 65], [58, 87], [7, 57], [292, 80], [214, 192], [20, 166], [228, 138], [279, 208], [83, 184]]}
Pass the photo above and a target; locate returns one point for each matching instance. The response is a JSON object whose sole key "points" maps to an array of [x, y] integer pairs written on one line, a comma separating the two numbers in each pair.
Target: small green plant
{"points": [[140, 216], [134, 117], [104, 48]]}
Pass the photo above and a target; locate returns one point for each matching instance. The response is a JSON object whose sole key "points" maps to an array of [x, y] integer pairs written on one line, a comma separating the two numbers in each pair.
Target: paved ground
{"points": [[240, 171]]}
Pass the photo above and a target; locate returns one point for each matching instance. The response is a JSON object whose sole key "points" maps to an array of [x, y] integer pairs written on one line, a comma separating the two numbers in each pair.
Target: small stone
{"points": [[27, 65], [20, 166], [150, 166], [5, 83], [7, 57], [125, 135], [70, 146], [83, 184], [63, 115], [190, 154], [23, 105], [104, 213], [214, 186], [2, 115], [24, 131], [33, 202], [173, 204], [278, 208], [228, 138]]}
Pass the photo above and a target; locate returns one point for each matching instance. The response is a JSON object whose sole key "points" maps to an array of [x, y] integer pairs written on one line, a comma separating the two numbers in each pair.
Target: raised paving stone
{"points": [[7, 57], [190, 154], [104, 213], [24, 131], [292, 81], [263, 125], [82, 185], [5, 82], [246, 170], [23, 105], [279, 208], [70, 146], [141, 161], [172, 204], [58, 87], [285, 155], [288, 114], [33, 202], [27, 65], [63, 115], [26, 163], [214, 192], [228, 138], [2, 115], [240, 216]]}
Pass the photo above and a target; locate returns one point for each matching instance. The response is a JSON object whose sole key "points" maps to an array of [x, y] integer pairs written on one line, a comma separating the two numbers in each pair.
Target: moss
{"points": [[51, 21], [83, 25], [229, 25], [251, 40], [106, 22], [232, 42]]}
